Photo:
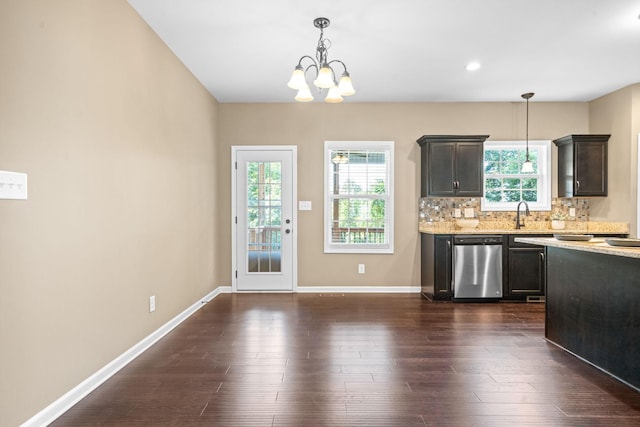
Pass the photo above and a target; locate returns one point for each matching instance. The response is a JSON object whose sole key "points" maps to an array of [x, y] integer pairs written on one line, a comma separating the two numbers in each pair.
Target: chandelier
{"points": [[325, 76]]}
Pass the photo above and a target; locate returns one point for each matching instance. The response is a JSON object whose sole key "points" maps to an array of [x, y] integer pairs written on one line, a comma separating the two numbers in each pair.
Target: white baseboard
{"points": [[359, 289], [73, 396]]}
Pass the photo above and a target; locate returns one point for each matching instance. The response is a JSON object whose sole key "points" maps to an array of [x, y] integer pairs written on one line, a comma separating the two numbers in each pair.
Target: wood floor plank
{"points": [[357, 359]]}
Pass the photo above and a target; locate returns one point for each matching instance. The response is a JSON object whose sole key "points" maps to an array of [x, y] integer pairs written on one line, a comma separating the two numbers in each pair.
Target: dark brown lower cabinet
{"points": [[436, 266], [526, 271]]}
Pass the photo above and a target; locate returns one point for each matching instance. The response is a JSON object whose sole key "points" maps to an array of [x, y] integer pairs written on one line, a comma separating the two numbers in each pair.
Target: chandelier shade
{"points": [[325, 75], [333, 95], [325, 78], [304, 94], [345, 87], [297, 80]]}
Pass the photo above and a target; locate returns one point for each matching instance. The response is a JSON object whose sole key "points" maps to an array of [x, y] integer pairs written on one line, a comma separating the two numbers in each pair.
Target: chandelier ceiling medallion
{"points": [[324, 72]]}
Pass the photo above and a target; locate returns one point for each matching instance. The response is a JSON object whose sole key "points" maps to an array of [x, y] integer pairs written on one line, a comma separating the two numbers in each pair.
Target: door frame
{"points": [[294, 209]]}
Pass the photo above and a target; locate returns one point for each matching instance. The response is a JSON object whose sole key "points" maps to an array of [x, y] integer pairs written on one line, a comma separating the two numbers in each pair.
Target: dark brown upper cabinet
{"points": [[582, 165], [451, 165]]}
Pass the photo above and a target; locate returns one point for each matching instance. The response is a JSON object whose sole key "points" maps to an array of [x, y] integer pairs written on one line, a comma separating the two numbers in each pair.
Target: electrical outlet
{"points": [[457, 213], [572, 212], [152, 304], [361, 268], [469, 213]]}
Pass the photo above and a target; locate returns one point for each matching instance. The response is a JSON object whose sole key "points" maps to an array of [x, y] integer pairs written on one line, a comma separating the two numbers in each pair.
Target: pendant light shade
{"points": [[527, 166]]}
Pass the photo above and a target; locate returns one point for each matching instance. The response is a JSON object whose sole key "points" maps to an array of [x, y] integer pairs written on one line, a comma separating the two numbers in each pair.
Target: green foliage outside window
{"points": [[359, 218], [504, 181], [264, 196]]}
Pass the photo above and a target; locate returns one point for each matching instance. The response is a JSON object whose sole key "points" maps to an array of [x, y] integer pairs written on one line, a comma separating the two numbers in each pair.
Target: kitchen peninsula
{"points": [[593, 303]]}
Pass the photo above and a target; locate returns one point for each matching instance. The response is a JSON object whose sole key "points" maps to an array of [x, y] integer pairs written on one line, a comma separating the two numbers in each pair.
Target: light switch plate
{"points": [[304, 205], [469, 213], [13, 185]]}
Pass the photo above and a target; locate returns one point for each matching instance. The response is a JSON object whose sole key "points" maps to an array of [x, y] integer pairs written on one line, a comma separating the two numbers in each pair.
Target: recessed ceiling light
{"points": [[473, 66]]}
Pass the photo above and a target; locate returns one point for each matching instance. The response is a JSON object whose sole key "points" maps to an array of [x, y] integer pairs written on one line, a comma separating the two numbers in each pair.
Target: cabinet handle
{"points": [[543, 273], [449, 244], [578, 184]]}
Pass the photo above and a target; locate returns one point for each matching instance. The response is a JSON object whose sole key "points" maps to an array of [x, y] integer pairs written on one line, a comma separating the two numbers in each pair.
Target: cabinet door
{"points": [[526, 271], [442, 266], [441, 169], [582, 165], [591, 169], [565, 171], [469, 164]]}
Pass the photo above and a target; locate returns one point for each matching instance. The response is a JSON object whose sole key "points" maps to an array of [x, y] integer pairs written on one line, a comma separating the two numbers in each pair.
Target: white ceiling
{"points": [[407, 50]]}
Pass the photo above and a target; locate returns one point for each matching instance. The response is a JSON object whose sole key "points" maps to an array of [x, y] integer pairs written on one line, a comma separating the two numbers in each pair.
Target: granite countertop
{"points": [[597, 245], [533, 227]]}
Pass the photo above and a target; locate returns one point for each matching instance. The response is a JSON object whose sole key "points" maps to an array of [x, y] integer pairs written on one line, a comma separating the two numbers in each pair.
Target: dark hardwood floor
{"points": [[354, 359]]}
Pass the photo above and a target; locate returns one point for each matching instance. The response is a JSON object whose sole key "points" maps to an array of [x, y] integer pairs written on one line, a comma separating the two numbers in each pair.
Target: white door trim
{"points": [[294, 210]]}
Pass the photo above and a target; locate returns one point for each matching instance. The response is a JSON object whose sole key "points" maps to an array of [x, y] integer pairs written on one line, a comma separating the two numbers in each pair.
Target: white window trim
{"points": [[544, 177], [330, 247]]}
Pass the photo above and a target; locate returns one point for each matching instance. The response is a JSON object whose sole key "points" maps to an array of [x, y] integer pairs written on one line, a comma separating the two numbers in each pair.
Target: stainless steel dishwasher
{"points": [[477, 267]]}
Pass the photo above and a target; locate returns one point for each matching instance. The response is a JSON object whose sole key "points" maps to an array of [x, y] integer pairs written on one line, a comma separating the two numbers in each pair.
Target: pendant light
{"points": [[527, 166]]}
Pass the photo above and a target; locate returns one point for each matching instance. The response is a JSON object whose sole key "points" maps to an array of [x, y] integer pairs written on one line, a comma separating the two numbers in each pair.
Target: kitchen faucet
{"points": [[526, 212]]}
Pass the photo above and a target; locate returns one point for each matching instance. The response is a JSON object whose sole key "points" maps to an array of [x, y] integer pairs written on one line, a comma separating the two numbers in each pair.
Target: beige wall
{"points": [[118, 140], [617, 114], [309, 125]]}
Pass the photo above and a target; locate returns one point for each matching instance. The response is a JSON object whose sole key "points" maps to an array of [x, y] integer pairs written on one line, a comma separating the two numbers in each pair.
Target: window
{"points": [[358, 202], [504, 183]]}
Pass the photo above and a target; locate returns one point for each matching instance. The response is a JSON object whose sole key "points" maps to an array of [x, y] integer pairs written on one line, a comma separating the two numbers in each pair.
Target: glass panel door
{"points": [[264, 217]]}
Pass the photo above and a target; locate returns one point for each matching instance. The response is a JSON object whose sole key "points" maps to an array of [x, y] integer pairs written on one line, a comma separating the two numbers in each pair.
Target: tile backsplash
{"points": [[439, 209]]}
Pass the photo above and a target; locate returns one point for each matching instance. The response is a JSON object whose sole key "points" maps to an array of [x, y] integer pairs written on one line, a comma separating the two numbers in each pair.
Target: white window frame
{"points": [[367, 248], [543, 175]]}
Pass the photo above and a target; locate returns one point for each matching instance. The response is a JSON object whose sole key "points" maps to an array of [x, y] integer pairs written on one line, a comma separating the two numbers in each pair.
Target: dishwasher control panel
{"points": [[477, 240]]}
